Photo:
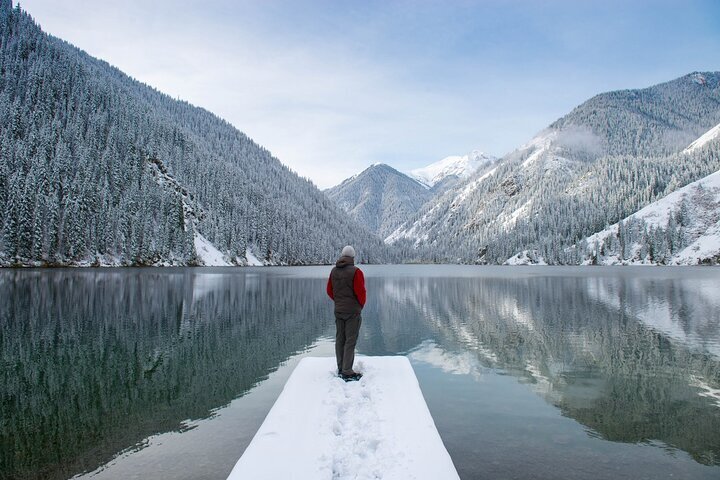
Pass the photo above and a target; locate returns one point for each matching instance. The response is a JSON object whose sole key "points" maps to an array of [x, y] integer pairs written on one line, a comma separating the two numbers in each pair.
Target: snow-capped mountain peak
{"points": [[460, 166], [379, 197]]}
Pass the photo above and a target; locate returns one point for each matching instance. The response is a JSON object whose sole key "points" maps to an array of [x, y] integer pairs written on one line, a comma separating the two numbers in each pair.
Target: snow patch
{"points": [[252, 260], [323, 427], [470, 188], [546, 148], [706, 246], [526, 257], [413, 232], [707, 137], [519, 212], [539, 146], [208, 254]]}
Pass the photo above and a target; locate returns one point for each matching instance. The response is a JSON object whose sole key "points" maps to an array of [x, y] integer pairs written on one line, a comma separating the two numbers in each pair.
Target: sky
{"points": [[333, 86]]}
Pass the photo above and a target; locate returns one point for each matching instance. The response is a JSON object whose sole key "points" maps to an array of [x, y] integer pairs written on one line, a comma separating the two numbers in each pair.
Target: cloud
{"points": [[326, 115], [331, 87], [323, 109]]}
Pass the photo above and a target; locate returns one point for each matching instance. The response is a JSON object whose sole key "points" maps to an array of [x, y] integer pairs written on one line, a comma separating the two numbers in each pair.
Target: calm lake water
{"points": [[529, 373]]}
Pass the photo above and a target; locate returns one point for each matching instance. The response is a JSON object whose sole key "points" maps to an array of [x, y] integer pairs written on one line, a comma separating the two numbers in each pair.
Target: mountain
{"points": [[98, 168], [444, 173], [682, 228], [658, 120], [606, 159], [380, 198]]}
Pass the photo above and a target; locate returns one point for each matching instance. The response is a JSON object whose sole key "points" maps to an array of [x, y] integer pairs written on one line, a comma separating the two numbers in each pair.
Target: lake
{"points": [[529, 372]]}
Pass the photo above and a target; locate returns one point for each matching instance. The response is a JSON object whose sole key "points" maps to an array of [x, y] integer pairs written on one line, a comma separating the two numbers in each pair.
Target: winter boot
{"points": [[352, 377]]}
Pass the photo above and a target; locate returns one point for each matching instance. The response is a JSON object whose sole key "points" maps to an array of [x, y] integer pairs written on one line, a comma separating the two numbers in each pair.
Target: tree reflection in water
{"points": [[95, 361]]}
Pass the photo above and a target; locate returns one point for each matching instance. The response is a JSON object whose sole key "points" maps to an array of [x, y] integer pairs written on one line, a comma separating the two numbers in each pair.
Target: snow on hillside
{"points": [[208, 254], [458, 166], [526, 257], [483, 201], [468, 189], [706, 246], [709, 136], [688, 218], [252, 260], [192, 212], [417, 229], [540, 145]]}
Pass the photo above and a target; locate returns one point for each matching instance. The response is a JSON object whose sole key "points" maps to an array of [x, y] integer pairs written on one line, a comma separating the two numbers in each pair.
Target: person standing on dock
{"points": [[346, 286]]}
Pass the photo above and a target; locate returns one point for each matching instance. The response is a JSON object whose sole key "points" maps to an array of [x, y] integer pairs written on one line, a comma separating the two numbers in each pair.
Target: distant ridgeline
{"points": [[605, 160], [97, 168]]}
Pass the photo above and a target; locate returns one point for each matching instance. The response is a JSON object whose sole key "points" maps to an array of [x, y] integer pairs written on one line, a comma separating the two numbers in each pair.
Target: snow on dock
{"points": [[323, 428]]}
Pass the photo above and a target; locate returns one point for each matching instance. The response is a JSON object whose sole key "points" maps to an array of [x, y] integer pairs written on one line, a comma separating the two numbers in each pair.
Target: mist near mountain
{"points": [[605, 160]]}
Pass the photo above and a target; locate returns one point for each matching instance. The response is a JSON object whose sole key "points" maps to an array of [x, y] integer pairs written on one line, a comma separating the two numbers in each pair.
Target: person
{"points": [[346, 287]]}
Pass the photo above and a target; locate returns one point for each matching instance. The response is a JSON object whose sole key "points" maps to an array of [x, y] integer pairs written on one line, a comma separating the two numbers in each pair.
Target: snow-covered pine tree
{"points": [[80, 147]]}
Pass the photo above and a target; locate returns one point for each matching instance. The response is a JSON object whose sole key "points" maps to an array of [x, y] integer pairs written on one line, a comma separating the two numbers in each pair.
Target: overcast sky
{"points": [[330, 87]]}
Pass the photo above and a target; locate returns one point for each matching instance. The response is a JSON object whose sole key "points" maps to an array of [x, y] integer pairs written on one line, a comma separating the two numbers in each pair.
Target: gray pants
{"points": [[346, 335]]}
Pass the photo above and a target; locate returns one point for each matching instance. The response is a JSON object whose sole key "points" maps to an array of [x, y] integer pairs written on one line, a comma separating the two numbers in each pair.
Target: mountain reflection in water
{"points": [[632, 359], [96, 361]]}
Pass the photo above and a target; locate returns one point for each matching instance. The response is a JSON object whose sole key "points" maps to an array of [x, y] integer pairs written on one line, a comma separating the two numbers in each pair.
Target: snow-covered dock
{"points": [[323, 428]]}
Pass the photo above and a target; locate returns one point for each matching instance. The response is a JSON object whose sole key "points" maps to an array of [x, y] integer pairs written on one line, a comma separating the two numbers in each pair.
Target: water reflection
{"points": [[633, 360], [96, 361]]}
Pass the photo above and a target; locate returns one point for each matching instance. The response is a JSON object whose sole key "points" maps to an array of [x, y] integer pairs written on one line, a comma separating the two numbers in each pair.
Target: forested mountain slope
{"points": [[606, 159], [96, 167], [654, 121], [380, 198], [682, 228]]}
